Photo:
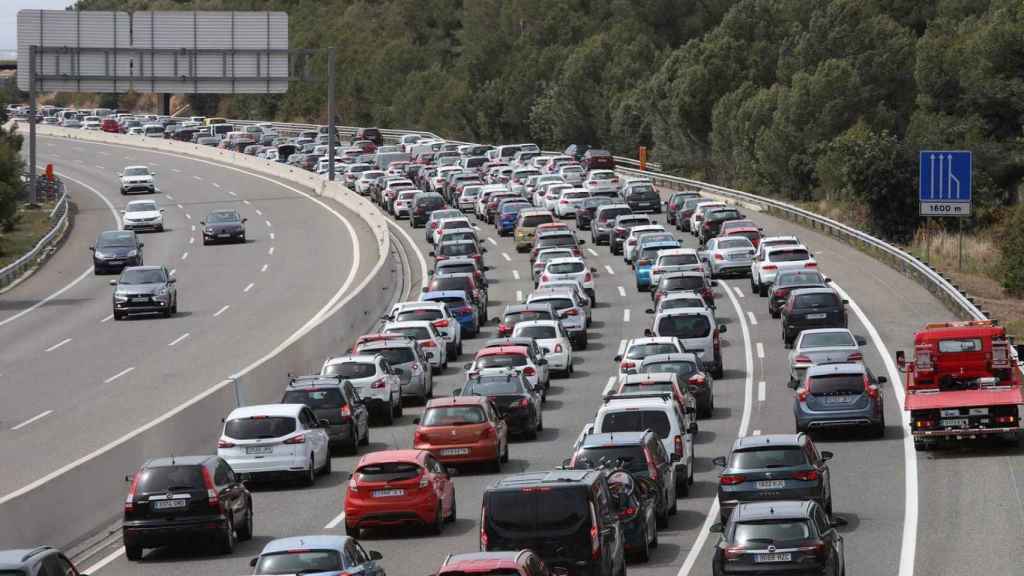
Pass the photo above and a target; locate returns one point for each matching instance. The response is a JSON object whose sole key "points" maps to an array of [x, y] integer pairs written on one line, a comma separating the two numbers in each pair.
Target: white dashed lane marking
{"points": [[106, 318], [221, 311], [506, 256], [264, 268], [760, 350], [761, 391], [750, 316], [58, 345], [248, 287], [625, 315], [609, 269], [184, 256], [622, 291], [119, 374], [179, 339], [35, 418], [270, 251]]}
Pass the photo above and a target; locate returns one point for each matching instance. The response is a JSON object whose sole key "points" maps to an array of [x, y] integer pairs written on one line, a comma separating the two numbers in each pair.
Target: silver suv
{"points": [[373, 377], [405, 357], [570, 310], [696, 329]]}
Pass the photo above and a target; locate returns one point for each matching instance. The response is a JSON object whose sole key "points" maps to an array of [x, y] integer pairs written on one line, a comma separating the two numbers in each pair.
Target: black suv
{"points": [[422, 205], [174, 498], [713, 221], [333, 399], [786, 536], [787, 281], [811, 308], [567, 516], [642, 455], [115, 250]]}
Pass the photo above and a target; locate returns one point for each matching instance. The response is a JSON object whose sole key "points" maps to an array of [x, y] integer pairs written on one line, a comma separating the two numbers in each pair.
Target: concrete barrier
{"points": [[87, 494]]}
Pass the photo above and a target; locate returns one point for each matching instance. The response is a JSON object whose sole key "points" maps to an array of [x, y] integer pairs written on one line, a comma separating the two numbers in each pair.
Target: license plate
{"points": [[838, 399], [816, 316], [140, 299], [170, 504], [259, 449], [777, 557], [770, 484], [115, 261], [223, 235], [388, 493], [955, 422], [454, 451]]}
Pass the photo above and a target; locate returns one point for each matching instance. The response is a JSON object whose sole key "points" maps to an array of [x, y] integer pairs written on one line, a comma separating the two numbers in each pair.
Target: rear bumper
{"points": [[369, 512], [143, 225], [477, 452], [151, 534], [270, 465], [740, 269], [965, 433]]}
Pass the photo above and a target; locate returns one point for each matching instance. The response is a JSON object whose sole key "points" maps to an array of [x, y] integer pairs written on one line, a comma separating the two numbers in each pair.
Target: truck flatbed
{"points": [[995, 396]]}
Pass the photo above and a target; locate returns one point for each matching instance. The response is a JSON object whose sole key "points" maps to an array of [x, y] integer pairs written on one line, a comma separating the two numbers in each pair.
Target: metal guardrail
{"points": [[58, 224]]}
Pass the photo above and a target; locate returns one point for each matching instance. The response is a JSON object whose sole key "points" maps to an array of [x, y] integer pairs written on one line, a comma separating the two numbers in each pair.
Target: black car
{"points": [[114, 250], [641, 454], [636, 500], [145, 289], [689, 370], [621, 227], [585, 210], [675, 204], [461, 266], [223, 226], [464, 281], [781, 537], [173, 499], [685, 211], [788, 280], [577, 151], [811, 308], [517, 401], [515, 313], [333, 399], [422, 205], [713, 221], [643, 197], [568, 517]]}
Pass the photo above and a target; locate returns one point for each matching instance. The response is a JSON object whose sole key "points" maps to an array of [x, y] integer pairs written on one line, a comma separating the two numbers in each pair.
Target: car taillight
{"points": [[563, 201], [627, 365], [872, 391], [488, 432], [521, 403], [424, 481], [129, 501], [300, 439], [346, 412], [627, 512], [678, 444], [440, 324], [588, 277], [652, 470], [570, 312], [353, 486], [212, 498], [544, 277], [730, 479], [733, 552], [222, 443], [811, 265], [439, 258], [697, 380], [802, 359], [855, 357], [719, 256], [806, 476], [529, 371], [558, 348], [781, 293], [427, 344], [378, 384], [595, 540], [418, 437], [483, 529], [631, 241], [802, 394], [816, 547], [643, 262], [769, 267]]}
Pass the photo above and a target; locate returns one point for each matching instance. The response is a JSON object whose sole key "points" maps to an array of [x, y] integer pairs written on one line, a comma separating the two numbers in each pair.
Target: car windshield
{"points": [[829, 384], [737, 242], [426, 314], [164, 478], [798, 279], [815, 300], [155, 276], [453, 415], [494, 386], [142, 207], [351, 369], [769, 457], [789, 255], [457, 249], [116, 240], [534, 220], [683, 368], [315, 398], [770, 531], [636, 421], [299, 562], [540, 332], [677, 283], [678, 260], [223, 217], [632, 457], [536, 513], [644, 350], [259, 427], [136, 171], [501, 361], [566, 267], [826, 339], [388, 471]]}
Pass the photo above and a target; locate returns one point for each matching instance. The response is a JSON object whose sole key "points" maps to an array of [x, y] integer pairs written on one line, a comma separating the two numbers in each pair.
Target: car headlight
{"points": [[99, 254], [133, 253], [161, 291], [209, 230]]}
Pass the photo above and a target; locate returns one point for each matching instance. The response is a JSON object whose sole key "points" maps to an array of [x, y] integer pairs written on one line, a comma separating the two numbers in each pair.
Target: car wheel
{"points": [[583, 341], [654, 540], [662, 520], [398, 409], [245, 530], [364, 440], [353, 445], [454, 513], [309, 475], [504, 457], [167, 312], [530, 434], [133, 553], [458, 351], [762, 290], [227, 538], [880, 429], [326, 470], [682, 488], [438, 524], [205, 243], [674, 509], [389, 416], [352, 531], [118, 315]]}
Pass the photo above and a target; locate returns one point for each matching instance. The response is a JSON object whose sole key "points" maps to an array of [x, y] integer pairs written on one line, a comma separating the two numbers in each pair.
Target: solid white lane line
{"points": [[622, 291], [193, 227], [761, 391], [750, 316], [908, 549], [192, 240], [259, 212], [57, 345], [625, 315], [270, 251], [738, 292], [609, 269], [103, 562], [106, 318], [264, 268], [215, 185], [712, 516], [179, 339], [32, 419], [119, 374], [506, 257], [268, 223], [491, 240], [592, 252], [248, 286], [184, 256], [519, 295], [221, 311], [232, 193], [515, 274], [335, 521], [622, 347]]}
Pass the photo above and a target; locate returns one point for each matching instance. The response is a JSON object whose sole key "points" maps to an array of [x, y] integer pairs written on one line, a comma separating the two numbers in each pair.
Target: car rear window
{"points": [[164, 478], [826, 339], [514, 317], [452, 415], [566, 268], [531, 513], [827, 384], [494, 385], [299, 562], [736, 242], [560, 240], [395, 356], [534, 220], [457, 249], [684, 326], [636, 421], [960, 345], [315, 398], [558, 304], [451, 283], [679, 283], [456, 269], [426, 314], [678, 260], [259, 427], [772, 457], [751, 235], [792, 255], [388, 471], [652, 252], [719, 215], [643, 194], [414, 332], [695, 302], [644, 350], [816, 300], [683, 368], [538, 332], [798, 279], [761, 533], [501, 361], [632, 457], [351, 369]]}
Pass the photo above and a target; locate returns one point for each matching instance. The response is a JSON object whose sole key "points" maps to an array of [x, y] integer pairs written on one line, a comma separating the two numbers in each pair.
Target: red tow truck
{"points": [[963, 382]]}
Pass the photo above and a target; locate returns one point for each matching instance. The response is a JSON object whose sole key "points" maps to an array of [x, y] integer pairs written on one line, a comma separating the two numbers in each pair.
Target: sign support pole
{"points": [[960, 241], [32, 176], [331, 130]]}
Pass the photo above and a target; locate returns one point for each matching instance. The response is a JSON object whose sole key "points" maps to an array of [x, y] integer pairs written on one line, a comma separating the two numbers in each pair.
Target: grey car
{"points": [[145, 289], [773, 467], [728, 256], [689, 370], [115, 250], [840, 395], [223, 226], [405, 356], [36, 561], [822, 346]]}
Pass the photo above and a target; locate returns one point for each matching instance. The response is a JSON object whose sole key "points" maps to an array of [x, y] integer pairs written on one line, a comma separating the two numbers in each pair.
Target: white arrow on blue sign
{"points": [[945, 182]]}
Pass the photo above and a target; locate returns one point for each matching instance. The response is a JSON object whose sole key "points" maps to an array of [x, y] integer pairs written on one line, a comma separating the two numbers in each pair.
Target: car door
{"points": [[443, 483], [318, 435], [228, 490], [370, 565], [500, 425], [360, 413]]}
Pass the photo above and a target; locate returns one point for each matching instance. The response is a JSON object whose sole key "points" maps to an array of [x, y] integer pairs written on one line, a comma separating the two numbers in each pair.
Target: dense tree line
{"points": [[803, 99]]}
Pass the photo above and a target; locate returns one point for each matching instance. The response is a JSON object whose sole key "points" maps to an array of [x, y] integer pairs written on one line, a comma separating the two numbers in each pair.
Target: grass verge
{"points": [[32, 225]]}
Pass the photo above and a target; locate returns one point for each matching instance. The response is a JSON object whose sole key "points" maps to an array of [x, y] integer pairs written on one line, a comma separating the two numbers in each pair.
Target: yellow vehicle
{"points": [[526, 226], [212, 121]]}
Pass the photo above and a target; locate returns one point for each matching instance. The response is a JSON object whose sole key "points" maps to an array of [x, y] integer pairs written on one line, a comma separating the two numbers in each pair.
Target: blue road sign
{"points": [[944, 182]]}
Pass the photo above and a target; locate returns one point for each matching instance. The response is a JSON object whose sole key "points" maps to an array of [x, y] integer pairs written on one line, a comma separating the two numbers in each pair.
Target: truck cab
{"points": [[963, 382]]}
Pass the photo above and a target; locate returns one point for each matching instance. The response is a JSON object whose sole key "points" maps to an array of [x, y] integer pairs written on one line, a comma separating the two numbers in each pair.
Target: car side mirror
{"points": [[839, 522], [425, 289], [648, 333], [592, 269], [451, 470], [244, 220], [649, 311], [92, 248], [495, 320], [113, 282], [416, 421], [826, 455], [172, 280], [431, 253], [716, 528], [882, 379], [141, 244], [826, 279], [861, 341], [252, 563], [457, 392], [714, 282], [901, 358], [582, 241], [324, 422], [692, 429], [722, 328], [618, 358], [538, 387], [793, 384], [162, 210], [128, 477], [719, 461], [202, 222], [566, 462]]}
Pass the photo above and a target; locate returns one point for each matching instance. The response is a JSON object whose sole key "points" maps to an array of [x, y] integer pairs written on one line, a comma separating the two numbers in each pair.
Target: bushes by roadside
{"points": [[1011, 247]]}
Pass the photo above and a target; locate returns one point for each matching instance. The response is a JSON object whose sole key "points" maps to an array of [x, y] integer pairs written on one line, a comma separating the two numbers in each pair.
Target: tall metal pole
{"points": [[32, 125], [331, 130], [960, 241]]}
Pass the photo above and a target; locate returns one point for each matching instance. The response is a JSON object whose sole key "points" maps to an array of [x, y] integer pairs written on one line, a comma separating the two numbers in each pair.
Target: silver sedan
{"points": [[823, 346], [729, 256]]}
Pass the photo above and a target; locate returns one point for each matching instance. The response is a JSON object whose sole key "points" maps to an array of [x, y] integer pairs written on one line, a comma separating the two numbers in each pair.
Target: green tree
{"points": [[1011, 247]]}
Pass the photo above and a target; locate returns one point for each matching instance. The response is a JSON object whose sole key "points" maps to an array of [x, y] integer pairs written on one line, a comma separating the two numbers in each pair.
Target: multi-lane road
{"points": [[952, 512]]}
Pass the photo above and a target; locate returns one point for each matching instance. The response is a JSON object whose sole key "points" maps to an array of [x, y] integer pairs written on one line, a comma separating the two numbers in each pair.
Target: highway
{"points": [[74, 379], [868, 476]]}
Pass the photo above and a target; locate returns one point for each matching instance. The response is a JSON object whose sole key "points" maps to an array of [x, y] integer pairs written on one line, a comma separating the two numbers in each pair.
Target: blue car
{"points": [[461, 307], [508, 215], [645, 261], [322, 555]]}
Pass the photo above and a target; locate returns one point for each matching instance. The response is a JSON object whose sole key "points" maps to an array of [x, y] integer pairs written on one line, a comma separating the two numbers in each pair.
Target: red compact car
{"points": [[510, 563], [463, 430], [394, 487]]}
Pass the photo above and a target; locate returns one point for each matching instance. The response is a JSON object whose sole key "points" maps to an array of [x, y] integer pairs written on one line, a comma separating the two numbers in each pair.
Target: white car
{"points": [[636, 349], [430, 340], [682, 299], [572, 174], [275, 439], [568, 200], [93, 125], [601, 180], [467, 200], [136, 131], [778, 257], [137, 179], [403, 204], [552, 339], [367, 178], [447, 224], [378, 384], [485, 193], [546, 193], [573, 268], [632, 241], [675, 260], [698, 214], [546, 255], [142, 215], [436, 312]]}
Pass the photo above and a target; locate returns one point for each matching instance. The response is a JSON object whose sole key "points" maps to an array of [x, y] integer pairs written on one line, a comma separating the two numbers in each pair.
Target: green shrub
{"points": [[1011, 246]]}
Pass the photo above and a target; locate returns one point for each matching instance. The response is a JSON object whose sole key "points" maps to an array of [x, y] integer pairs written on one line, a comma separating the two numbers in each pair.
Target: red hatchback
{"points": [[395, 487], [463, 430]]}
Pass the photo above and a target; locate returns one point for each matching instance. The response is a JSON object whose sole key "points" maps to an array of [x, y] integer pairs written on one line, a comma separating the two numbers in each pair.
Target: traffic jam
{"points": [[623, 475]]}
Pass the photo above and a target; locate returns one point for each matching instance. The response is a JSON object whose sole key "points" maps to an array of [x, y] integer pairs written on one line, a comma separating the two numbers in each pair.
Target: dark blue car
{"points": [[461, 307], [508, 214]]}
